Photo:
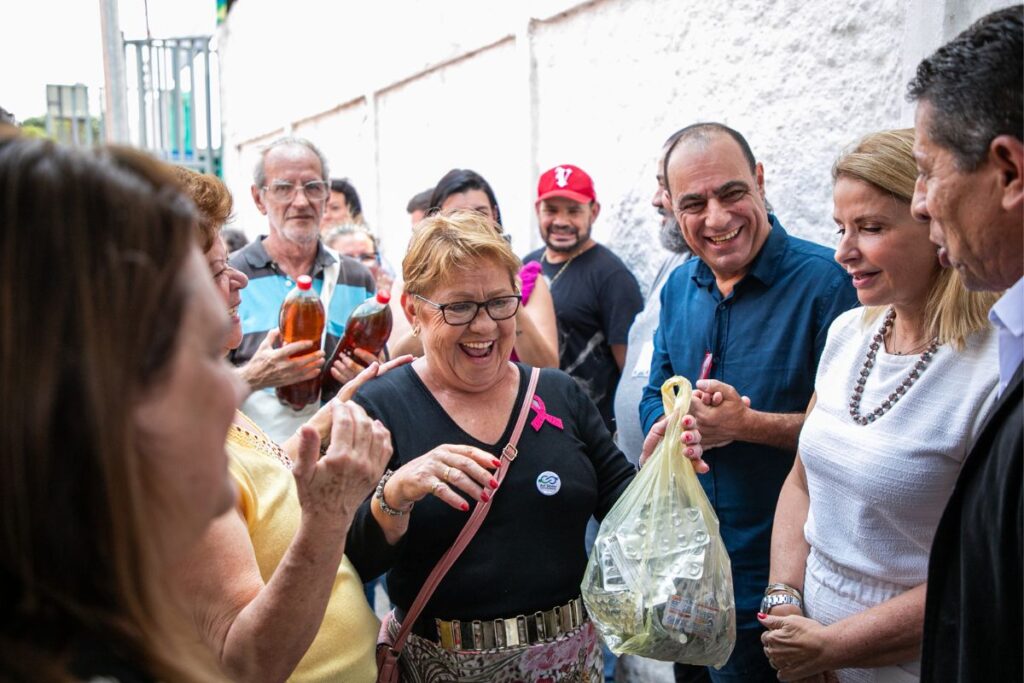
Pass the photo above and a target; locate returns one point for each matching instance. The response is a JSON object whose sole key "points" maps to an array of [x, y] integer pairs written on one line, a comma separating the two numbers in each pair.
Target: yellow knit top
{"points": [[343, 649]]}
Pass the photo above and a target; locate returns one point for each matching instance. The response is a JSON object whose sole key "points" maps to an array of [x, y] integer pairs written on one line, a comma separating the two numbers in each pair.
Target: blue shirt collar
{"points": [[764, 267]]}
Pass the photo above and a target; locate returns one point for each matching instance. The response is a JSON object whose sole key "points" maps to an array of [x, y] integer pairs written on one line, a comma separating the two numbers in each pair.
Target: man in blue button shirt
{"points": [[749, 318]]}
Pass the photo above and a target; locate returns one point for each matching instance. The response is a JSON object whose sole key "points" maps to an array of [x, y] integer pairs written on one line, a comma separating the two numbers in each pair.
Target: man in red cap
{"points": [[596, 297]]}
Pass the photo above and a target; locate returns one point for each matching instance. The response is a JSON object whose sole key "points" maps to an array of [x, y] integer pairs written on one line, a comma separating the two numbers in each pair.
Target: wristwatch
{"points": [[776, 599]]}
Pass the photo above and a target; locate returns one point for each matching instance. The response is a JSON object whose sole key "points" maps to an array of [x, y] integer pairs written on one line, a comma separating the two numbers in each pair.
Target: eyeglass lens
{"points": [[316, 190], [462, 312]]}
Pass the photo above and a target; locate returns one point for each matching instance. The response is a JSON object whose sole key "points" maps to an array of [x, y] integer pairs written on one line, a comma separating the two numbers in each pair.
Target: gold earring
{"points": [[416, 331]]}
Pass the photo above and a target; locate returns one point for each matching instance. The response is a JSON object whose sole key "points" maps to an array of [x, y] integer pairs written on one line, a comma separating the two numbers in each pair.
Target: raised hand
{"points": [[331, 487]]}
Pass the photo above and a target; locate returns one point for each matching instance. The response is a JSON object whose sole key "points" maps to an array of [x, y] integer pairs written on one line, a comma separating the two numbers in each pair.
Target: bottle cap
{"points": [[383, 296], [303, 282]]}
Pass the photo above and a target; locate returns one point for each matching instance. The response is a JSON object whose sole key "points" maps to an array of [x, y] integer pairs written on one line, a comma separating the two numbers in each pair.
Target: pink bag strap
{"points": [[508, 454]]}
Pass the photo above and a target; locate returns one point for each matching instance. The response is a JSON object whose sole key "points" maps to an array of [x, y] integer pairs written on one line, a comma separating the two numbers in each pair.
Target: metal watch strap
{"points": [[776, 599], [784, 588]]}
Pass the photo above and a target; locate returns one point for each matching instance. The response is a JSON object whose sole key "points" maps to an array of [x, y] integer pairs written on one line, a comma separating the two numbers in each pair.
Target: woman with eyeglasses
{"points": [[451, 414], [536, 341]]}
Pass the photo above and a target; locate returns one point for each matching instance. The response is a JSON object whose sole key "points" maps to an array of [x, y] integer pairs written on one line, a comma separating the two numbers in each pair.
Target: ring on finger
{"points": [[438, 485], [447, 472]]}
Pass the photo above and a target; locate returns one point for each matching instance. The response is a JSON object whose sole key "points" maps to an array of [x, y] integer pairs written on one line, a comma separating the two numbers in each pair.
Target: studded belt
{"points": [[524, 629]]}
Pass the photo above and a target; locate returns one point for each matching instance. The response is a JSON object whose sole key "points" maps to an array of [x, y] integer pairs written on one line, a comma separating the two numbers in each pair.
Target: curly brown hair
{"points": [[212, 199]]}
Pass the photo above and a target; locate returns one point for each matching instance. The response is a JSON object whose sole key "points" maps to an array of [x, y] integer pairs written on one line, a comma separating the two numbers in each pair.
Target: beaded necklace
{"points": [[869, 362]]}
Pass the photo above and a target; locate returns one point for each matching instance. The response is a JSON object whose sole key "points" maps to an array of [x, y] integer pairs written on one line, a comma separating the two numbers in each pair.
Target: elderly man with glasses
{"points": [[290, 187]]}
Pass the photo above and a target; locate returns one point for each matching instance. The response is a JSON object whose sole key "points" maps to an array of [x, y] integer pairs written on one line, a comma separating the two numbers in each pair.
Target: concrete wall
{"points": [[510, 89]]}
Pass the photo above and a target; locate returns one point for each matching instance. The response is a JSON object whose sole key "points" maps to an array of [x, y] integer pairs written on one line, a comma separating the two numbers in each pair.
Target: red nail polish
{"points": [[464, 506], [689, 451], [493, 482], [484, 496], [496, 463], [761, 615], [687, 437]]}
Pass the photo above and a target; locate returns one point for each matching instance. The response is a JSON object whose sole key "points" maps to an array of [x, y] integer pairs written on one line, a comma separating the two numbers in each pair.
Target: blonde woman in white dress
{"points": [[902, 390]]}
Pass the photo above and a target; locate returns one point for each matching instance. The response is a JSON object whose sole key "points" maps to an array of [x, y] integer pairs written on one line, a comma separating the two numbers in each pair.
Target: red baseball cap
{"points": [[568, 181]]}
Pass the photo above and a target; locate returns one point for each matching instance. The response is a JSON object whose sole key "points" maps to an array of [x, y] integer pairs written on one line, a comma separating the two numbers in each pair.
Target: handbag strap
{"points": [[508, 454]]}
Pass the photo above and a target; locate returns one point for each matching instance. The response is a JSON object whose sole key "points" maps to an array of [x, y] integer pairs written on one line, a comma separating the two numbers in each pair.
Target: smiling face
{"points": [[719, 204], [183, 419], [885, 250], [473, 357], [297, 221], [962, 209], [565, 224], [229, 283], [470, 200]]}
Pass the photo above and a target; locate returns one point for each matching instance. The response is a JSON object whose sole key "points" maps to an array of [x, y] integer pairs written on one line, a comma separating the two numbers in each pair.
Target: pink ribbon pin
{"points": [[542, 415]]}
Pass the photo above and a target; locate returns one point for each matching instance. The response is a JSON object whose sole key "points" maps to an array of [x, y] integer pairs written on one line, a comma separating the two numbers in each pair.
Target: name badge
{"points": [[548, 483]]}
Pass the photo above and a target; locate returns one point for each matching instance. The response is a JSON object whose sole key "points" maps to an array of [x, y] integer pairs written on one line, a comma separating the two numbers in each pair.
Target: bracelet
{"points": [[776, 599], [379, 495], [784, 588]]}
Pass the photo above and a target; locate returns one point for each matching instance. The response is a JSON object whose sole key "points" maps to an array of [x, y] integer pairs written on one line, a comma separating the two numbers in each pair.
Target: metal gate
{"points": [[172, 108]]}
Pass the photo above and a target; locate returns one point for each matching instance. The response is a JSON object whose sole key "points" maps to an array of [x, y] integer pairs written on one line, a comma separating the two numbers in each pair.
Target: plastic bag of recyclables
{"points": [[659, 582]]}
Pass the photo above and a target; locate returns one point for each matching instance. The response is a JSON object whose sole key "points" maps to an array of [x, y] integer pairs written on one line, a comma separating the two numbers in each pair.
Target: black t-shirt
{"points": [[596, 298], [529, 553]]}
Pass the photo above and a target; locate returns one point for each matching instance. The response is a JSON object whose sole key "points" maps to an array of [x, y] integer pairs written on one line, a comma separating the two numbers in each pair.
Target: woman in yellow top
{"points": [[271, 592]]}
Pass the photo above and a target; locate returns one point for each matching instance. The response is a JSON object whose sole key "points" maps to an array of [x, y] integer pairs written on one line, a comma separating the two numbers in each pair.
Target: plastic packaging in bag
{"points": [[659, 583]]}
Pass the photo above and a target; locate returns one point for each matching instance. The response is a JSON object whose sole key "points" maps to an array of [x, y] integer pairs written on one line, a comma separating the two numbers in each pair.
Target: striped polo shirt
{"points": [[269, 285]]}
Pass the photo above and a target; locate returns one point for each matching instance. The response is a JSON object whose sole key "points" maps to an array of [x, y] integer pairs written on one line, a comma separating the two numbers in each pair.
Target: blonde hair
{"points": [[885, 160], [450, 243]]}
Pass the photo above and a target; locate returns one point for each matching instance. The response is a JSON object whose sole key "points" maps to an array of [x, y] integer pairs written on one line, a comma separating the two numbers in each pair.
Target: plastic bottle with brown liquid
{"points": [[302, 318], [368, 328]]}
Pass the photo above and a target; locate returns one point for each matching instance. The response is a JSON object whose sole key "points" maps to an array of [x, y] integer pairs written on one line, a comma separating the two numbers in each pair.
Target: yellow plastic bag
{"points": [[659, 582]]}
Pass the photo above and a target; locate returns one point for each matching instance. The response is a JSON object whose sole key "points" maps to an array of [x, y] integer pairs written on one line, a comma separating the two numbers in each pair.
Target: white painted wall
{"points": [[397, 93]]}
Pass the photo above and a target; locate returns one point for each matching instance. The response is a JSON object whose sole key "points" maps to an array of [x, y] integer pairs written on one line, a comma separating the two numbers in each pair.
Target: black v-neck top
{"points": [[529, 553]]}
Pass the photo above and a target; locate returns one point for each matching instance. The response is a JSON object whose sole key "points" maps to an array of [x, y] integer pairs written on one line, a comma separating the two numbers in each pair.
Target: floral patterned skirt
{"points": [[574, 657]]}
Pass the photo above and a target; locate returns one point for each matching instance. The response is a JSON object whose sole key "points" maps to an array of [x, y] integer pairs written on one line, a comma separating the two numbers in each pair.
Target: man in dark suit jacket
{"points": [[970, 154]]}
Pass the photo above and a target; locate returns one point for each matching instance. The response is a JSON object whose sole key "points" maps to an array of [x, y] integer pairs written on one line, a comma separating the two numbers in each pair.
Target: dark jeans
{"points": [[747, 664]]}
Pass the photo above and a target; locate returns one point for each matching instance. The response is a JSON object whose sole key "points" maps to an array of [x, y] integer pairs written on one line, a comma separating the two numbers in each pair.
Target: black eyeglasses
{"points": [[465, 312]]}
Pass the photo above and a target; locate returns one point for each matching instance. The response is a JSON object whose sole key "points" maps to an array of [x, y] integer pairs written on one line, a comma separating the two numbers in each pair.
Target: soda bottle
{"points": [[302, 318], [368, 328]]}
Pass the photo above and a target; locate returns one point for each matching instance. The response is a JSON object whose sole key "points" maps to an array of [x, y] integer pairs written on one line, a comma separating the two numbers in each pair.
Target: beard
{"points": [[671, 236], [581, 237], [301, 235]]}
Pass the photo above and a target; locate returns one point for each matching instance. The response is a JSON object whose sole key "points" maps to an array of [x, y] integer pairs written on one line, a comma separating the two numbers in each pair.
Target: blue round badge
{"points": [[548, 483]]}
